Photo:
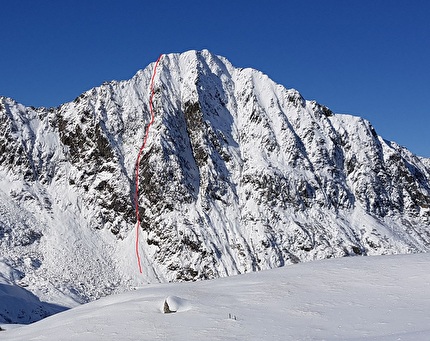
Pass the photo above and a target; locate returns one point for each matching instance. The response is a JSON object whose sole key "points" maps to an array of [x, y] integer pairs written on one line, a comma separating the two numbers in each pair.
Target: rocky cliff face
{"points": [[239, 174]]}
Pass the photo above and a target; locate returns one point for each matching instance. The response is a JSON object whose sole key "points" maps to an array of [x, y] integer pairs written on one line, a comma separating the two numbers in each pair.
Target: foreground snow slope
{"points": [[359, 298]]}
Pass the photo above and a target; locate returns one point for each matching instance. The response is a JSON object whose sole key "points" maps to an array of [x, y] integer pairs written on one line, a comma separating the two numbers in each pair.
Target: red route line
{"points": [[138, 162]]}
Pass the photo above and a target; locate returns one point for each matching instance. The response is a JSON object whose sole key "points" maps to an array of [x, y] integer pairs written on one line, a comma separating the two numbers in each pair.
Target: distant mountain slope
{"points": [[373, 298], [240, 174], [17, 305]]}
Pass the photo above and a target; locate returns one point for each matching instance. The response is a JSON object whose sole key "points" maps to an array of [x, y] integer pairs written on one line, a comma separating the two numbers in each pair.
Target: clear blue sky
{"points": [[369, 58]]}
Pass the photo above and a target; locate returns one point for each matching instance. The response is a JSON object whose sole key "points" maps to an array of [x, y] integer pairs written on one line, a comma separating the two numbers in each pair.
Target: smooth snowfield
{"points": [[359, 298]]}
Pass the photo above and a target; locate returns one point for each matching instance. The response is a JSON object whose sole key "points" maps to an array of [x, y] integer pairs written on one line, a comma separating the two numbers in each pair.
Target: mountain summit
{"points": [[239, 174]]}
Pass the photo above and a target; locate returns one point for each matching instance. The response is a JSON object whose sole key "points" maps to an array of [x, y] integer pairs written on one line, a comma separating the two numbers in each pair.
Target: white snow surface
{"points": [[355, 298]]}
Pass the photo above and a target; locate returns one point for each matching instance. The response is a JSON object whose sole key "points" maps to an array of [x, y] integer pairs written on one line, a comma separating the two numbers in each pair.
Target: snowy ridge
{"points": [[240, 174]]}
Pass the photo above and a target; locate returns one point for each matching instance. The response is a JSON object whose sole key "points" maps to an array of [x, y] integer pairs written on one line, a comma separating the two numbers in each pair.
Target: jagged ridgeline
{"points": [[239, 174]]}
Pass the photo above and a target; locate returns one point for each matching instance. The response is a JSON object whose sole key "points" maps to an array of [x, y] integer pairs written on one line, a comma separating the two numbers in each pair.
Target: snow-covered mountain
{"points": [[239, 174]]}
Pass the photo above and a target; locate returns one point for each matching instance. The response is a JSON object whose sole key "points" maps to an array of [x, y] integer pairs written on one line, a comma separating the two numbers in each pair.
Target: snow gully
{"points": [[151, 89]]}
